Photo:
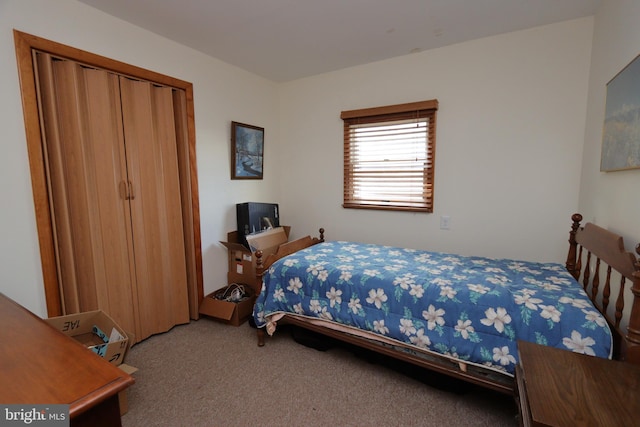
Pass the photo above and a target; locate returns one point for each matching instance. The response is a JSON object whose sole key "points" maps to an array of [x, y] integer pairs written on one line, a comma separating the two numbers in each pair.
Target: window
{"points": [[389, 157]]}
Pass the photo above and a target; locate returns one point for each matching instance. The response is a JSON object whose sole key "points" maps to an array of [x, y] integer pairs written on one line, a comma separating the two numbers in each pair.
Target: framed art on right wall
{"points": [[621, 133]]}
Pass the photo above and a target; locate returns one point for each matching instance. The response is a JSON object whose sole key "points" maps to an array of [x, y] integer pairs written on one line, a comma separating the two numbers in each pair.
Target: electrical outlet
{"points": [[445, 222]]}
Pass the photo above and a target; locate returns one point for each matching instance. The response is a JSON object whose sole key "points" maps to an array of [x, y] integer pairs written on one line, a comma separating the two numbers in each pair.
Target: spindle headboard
{"points": [[611, 277]]}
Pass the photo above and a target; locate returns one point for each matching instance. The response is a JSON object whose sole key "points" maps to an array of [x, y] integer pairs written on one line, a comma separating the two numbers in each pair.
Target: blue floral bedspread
{"points": [[471, 309]]}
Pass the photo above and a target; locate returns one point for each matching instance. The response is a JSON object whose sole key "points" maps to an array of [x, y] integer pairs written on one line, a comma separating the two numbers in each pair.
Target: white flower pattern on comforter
{"points": [[471, 309]]}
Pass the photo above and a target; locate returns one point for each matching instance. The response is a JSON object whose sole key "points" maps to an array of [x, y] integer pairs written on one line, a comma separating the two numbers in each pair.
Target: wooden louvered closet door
{"points": [[156, 213], [113, 179]]}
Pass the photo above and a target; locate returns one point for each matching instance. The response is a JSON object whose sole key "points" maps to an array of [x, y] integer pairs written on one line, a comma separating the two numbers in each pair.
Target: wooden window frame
{"points": [[356, 174]]}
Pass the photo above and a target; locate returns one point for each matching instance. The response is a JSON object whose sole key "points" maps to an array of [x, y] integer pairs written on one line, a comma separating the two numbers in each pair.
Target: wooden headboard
{"points": [[597, 258]]}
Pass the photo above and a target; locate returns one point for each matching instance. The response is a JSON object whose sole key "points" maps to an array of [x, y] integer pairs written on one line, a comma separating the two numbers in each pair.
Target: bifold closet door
{"points": [[156, 208], [111, 160], [86, 165]]}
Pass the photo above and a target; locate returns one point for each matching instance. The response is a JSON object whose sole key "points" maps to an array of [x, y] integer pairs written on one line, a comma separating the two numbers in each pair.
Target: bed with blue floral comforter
{"points": [[469, 309]]}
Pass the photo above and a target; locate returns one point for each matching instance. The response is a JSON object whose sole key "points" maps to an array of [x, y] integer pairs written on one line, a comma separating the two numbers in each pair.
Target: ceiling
{"points": [[283, 40]]}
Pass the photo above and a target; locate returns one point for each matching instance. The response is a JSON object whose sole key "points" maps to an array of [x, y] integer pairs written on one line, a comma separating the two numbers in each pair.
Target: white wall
{"points": [[222, 93], [509, 143], [610, 199]]}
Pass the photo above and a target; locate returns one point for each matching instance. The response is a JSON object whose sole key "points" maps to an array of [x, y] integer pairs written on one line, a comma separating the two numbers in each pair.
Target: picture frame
{"points": [[247, 151], [621, 131]]}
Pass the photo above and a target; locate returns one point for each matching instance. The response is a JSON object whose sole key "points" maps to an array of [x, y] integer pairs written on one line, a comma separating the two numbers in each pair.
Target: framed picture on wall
{"points": [[247, 151], [621, 133]]}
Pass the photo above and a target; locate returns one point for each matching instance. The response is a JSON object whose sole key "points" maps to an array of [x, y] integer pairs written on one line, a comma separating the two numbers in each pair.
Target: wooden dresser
{"points": [[562, 388], [40, 365]]}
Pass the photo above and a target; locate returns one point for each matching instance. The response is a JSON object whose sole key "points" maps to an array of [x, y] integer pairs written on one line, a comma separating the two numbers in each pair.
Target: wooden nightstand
{"points": [[561, 388]]}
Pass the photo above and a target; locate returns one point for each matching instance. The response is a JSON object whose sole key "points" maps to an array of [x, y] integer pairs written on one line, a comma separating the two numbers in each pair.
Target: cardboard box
{"points": [[96, 330], [268, 241], [122, 396], [233, 313], [242, 260]]}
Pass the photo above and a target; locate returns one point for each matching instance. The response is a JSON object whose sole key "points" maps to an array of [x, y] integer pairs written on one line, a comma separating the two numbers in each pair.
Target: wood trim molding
{"points": [[390, 109], [24, 45]]}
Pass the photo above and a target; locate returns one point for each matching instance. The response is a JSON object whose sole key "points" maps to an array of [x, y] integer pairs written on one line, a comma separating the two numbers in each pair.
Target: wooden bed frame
{"points": [[595, 255]]}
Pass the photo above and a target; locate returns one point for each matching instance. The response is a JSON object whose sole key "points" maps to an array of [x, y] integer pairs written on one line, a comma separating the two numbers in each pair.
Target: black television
{"points": [[254, 217]]}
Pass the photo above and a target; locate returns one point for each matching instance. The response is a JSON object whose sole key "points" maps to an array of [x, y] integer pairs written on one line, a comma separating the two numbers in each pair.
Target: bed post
{"points": [[259, 274], [260, 332], [633, 329], [259, 266], [573, 245]]}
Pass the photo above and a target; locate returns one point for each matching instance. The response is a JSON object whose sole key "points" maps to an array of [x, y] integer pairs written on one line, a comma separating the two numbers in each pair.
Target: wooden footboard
{"points": [[597, 258], [285, 249]]}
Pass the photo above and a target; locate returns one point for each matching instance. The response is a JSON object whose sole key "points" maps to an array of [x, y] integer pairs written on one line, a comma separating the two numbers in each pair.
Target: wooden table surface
{"points": [[564, 388], [40, 365]]}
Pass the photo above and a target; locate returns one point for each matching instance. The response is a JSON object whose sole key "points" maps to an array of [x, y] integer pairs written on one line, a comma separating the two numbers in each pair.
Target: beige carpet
{"points": [[210, 374]]}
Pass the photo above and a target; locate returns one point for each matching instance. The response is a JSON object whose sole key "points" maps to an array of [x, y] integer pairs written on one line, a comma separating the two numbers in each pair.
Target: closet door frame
{"points": [[25, 44]]}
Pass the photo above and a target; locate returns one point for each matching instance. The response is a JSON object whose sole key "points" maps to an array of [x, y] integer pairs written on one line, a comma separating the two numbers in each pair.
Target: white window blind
{"points": [[389, 157]]}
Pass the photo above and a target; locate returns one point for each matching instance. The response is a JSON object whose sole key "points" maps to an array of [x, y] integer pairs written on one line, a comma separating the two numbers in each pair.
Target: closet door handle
{"points": [[124, 190]]}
